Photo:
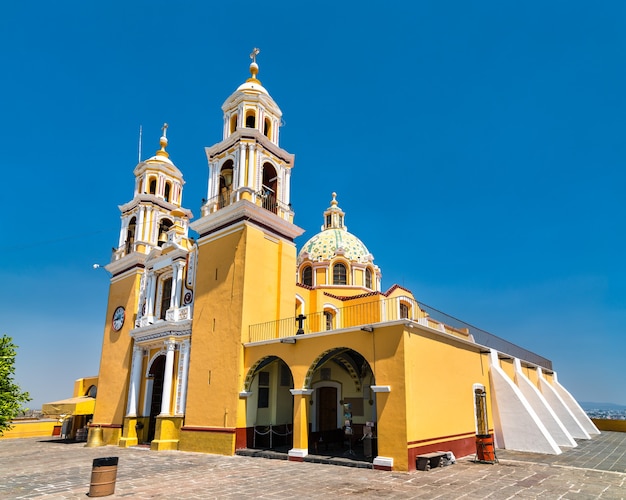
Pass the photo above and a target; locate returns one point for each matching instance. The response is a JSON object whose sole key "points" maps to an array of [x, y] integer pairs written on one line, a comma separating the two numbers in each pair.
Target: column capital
{"points": [[301, 392]]}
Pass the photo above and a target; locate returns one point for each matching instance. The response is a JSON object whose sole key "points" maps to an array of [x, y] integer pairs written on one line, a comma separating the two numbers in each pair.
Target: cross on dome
{"points": [[163, 142], [254, 67]]}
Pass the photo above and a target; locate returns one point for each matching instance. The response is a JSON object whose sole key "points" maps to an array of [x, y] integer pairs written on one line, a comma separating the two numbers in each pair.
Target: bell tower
{"points": [[248, 164], [153, 218], [246, 262]]}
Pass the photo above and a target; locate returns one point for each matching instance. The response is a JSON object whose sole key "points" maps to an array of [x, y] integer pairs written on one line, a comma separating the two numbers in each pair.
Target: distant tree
{"points": [[11, 396]]}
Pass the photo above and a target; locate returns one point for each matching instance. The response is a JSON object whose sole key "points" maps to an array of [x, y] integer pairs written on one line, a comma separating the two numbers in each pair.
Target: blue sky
{"points": [[477, 149]]}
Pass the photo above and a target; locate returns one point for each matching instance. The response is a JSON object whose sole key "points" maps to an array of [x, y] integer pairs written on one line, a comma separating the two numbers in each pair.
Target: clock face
{"points": [[118, 318]]}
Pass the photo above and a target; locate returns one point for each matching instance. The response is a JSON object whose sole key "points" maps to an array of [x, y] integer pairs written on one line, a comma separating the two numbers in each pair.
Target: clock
{"points": [[118, 318]]}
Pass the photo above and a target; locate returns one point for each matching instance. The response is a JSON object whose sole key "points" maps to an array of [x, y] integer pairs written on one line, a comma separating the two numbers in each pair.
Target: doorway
{"points": [[157, 372], [327, 408]]}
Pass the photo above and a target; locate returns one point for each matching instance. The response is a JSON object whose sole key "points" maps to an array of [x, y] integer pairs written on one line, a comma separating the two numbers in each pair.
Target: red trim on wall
{"points": [[241, 437], [296, 459], [460, 447], [387, 468], [225, 430]]}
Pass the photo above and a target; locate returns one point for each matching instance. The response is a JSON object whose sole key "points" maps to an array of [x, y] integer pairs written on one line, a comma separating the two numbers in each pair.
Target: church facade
{"points": [[238, 340]]}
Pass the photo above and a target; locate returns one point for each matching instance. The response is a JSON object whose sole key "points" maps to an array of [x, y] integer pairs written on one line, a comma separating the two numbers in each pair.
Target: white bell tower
{"points": [[249, 163]]}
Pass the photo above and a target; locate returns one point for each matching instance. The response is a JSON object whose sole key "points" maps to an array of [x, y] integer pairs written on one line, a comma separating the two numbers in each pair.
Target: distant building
{"points": [[237, 340]]}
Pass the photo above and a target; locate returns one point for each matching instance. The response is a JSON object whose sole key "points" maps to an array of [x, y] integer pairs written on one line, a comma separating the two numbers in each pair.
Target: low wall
{"points": [[605, 424], [30, 428]]}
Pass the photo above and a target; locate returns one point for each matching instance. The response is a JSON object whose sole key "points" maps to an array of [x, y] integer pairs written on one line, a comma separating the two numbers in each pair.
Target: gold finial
{"points": [[254, 67], [163, 142], [334, 201]]}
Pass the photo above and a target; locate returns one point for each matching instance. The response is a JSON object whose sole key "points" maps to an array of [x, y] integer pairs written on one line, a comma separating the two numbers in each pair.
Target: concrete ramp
{"points": [[516, 424]]}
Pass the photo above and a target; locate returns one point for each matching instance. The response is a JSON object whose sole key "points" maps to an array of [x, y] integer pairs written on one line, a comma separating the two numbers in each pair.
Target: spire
{"points": [[163, 142], [333, 216], [254, 67]]}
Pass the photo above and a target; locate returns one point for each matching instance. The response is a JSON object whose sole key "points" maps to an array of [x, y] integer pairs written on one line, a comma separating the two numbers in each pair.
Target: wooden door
{"points": [[327, 408]]}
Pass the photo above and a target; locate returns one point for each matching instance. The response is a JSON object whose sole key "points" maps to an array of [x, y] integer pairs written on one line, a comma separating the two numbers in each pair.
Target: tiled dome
{"points": [[324, 245]]}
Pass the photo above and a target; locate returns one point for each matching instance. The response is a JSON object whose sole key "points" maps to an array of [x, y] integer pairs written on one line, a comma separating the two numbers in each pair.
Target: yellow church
{"points": [[238, 340]]}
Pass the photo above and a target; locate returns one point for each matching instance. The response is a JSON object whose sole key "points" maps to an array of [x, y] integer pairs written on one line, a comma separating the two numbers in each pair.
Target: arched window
{"points": [[166, 296], [251, 120], [368, 278], [267, 128], [164, 227], [307, 276], [168, 191], [404, 311], [233, 123], [270, 185], [226, 183], [339, 275], [92, 391], [329, 319], [153, 184], [130, 236]]}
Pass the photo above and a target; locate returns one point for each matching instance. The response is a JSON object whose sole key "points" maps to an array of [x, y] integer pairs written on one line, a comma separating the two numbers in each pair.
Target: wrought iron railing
{"points": [[380, 311], [266, 200]]}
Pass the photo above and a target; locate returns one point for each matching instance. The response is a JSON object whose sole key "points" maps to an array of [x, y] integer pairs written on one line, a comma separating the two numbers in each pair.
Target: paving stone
{"points": [[39, 469]]}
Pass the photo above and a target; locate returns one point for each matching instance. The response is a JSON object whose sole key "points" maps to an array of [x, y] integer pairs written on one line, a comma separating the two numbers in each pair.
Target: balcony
{"points": [[267, 201], [387, 310]]}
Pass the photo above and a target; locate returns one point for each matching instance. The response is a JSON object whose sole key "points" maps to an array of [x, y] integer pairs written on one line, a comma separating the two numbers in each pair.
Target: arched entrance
{"points": [[342, 420], [156, 374], [269, 406]]}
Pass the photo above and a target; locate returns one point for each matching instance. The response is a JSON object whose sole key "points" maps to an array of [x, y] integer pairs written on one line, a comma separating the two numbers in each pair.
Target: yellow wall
{"points": [[30, 428], [82, 385], [509, 368], [440, 378], [246, 277], [610, 425], [116, 353]]}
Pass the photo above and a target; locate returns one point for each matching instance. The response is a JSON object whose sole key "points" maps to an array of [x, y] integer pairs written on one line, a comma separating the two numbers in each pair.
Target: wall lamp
{"points": [[288, 340], [367, 328]]}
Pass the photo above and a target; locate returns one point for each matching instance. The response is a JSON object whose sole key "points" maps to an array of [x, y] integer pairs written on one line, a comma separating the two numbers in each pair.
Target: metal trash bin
{"points": [[103, 475]]}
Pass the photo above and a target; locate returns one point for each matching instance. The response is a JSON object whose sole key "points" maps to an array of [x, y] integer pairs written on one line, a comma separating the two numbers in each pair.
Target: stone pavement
{"points": [[32, 468]]}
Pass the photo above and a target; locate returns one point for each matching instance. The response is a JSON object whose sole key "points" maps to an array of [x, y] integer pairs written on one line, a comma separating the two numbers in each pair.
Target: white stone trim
{"points": [[298, 452], [383, 461], [301, 392], [380, 388]]}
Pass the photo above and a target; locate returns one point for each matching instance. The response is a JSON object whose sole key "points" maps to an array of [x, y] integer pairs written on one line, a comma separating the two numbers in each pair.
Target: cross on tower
{"points": [[255, 52]]}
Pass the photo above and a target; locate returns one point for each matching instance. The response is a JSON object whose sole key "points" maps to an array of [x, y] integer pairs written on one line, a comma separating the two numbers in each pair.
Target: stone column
{"points": [[150, 295], [183, 373], [300, 424], [242, 164], [167, 377], [135, 380], [177, 277]]}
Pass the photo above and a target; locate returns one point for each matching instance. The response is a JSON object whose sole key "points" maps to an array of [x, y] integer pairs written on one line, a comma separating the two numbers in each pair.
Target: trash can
{"points": [[103, 475], [485, 451]]}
